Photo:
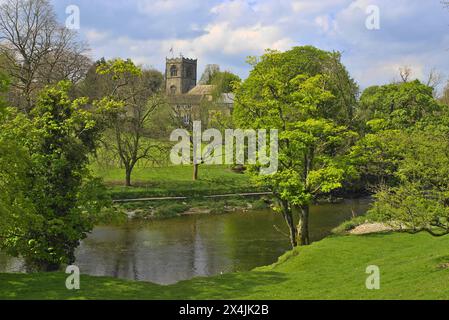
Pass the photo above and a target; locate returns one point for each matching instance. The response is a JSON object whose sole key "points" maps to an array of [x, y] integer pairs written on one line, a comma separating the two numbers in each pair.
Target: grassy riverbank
{"points": [[411, 266], [175, 181]]}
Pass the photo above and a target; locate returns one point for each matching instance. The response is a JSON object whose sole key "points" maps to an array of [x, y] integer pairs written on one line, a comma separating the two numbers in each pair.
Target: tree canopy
{"points": [[224, 82], [137, 126], [281, 93], [62, 199], [397, 105], [310, 61], [419, 200], [403, 157]]}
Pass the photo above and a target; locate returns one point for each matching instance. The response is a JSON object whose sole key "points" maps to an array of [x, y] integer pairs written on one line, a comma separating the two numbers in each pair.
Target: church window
{"points": [[173, 71], [173, 89]]}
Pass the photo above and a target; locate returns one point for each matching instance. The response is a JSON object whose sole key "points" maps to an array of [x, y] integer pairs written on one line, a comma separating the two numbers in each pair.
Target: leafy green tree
{"points": [[312, 145], [138, 126], [4, 84], [224, 82], [184, 117], [13, 162], [63, 199], [397, 105], [420, 201], [376, 158], [390, 113], [310, 61], [416, 127], [219, 112]]}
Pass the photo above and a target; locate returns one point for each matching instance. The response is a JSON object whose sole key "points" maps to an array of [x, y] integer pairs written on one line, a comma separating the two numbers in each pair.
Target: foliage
{"points": [[4, 82], [13, 179], [405, 157], [219, 117], [420, 201], [376, 158], [392, 113], [138, 124], [310, 61], [224, 82], [279, 94], [64, 201], [445, 95], [4, 85], [119, 69], [397, 105], [411, 208]]}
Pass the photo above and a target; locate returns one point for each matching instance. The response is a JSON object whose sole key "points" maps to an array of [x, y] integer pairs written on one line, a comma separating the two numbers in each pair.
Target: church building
{"points": [[185, 95]]}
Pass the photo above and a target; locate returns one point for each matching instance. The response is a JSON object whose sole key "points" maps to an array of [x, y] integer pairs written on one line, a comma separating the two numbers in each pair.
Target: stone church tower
{"points": [[180, 75]]}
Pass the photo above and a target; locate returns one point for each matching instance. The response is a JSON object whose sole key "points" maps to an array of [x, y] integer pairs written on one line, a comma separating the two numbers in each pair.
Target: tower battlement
{"points": [[180, 60], [180, 75]]}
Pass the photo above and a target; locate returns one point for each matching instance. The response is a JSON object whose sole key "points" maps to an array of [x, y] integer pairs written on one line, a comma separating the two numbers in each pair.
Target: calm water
{"points": [[168, 251]]}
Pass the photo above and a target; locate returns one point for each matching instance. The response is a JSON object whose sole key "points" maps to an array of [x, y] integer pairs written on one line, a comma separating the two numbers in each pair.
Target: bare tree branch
{"points": [[38, 50]]}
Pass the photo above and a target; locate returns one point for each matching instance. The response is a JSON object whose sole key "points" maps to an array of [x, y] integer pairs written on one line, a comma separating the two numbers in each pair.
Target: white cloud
{"points": [[219, 39], [95, 36], [251, 40], [412, 32], [324, 23]]}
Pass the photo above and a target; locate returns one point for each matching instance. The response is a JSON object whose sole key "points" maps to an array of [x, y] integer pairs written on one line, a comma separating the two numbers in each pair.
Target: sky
{"points": [[412, 33]]}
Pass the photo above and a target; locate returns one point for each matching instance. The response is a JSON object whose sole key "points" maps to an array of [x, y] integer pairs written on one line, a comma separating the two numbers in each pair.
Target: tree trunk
{"points": [[195, 171], [288, 217], [303, 228], [128, 177]]}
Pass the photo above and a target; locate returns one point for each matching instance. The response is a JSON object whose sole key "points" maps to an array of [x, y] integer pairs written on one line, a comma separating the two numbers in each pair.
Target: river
{"points": [[168, 251]]}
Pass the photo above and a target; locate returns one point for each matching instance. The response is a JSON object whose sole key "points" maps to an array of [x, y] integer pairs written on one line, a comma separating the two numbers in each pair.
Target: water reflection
{"points": [[168, 251]]}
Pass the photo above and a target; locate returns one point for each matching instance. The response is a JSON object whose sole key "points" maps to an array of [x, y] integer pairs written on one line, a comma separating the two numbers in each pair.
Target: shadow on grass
{"points": [[52, 286], [228, 286]]}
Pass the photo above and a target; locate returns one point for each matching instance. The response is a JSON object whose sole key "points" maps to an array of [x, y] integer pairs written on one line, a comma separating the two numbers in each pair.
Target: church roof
{"points": [[202, 90]]}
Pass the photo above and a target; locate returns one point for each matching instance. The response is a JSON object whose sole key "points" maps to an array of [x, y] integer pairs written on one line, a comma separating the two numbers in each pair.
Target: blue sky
{"points": [[412, 32]]}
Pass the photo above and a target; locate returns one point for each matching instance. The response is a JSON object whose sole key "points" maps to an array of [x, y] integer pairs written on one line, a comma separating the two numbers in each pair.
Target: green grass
{"points": [[412, 267], [175, 181]]}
